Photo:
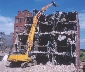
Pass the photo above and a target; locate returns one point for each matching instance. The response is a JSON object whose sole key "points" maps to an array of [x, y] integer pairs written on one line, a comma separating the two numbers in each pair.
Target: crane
{"points": [[24, 58]]}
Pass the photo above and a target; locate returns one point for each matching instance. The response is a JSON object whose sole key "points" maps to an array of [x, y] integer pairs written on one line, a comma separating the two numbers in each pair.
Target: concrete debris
{"points": [[5, 58], [60, 38], [38, 68], [52, 68]]}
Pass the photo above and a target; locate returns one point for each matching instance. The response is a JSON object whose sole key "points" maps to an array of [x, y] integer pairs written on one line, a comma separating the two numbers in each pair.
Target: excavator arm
{"points": [[35, 20]]}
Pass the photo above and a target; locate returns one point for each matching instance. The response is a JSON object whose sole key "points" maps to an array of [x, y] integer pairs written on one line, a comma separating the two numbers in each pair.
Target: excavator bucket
{"points": [[54, 4], [36, 11]]}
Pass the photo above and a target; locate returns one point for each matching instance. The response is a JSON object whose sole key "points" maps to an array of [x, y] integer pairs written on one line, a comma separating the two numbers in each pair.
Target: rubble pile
{"points": [[37, 68], [52, 68]]}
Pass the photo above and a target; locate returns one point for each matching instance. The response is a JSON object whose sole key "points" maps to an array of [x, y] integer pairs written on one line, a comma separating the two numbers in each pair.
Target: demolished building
{"points": [[57, 38], [60, 31]]}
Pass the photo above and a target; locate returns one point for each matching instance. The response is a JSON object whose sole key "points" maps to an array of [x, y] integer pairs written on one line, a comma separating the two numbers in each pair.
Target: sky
{"points": [[9, 9]]}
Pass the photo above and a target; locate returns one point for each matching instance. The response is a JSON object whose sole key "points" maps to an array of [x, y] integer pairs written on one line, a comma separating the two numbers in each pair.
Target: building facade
{"points": [[20, 21], [1, 40]]}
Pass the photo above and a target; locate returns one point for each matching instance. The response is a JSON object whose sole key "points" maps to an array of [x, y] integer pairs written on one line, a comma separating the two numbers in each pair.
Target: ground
{"points": [[4, 67], [38, 68]]}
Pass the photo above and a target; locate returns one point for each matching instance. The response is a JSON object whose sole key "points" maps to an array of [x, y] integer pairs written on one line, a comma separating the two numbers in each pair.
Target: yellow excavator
{"points": [[24, 58]]}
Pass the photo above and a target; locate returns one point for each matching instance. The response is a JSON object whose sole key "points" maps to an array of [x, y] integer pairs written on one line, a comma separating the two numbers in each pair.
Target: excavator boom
{"points": [[35, 20]]}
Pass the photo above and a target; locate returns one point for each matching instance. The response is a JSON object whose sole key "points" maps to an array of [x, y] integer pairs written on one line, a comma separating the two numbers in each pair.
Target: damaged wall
{"points": [[60, 31], [57, 37]]}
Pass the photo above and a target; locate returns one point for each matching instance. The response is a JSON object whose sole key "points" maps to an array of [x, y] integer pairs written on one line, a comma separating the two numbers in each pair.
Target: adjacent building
{"points": [[6, 40], [20, 20]]}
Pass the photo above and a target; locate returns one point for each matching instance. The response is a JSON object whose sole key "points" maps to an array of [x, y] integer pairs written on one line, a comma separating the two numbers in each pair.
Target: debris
{"points": [[37, 68], [5, 58]]}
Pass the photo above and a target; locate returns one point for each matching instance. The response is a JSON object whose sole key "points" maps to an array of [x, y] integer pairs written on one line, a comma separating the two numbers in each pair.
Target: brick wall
{"points": [[20, 21]]}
